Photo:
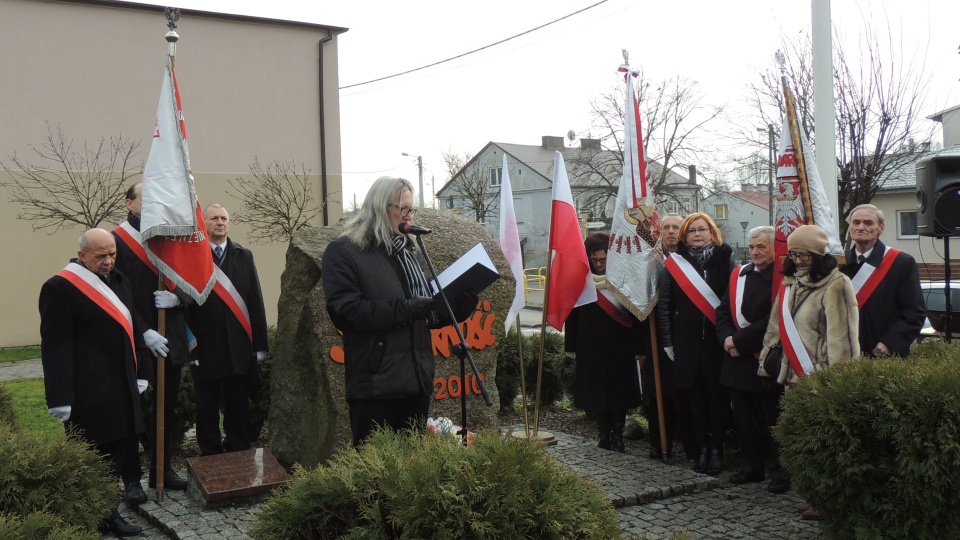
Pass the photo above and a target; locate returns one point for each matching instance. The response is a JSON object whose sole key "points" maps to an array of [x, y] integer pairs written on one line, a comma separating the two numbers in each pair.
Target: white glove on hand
{"points": [[165, 299], [571, 355], [142, 385], [61, 413], [260, 356], [195, 363], [669, 351], [156, 343]]}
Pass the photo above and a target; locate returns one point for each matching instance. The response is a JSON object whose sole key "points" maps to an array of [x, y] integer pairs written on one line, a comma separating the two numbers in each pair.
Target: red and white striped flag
{"points": [[510, 244], [171, 221], [570, 282]]}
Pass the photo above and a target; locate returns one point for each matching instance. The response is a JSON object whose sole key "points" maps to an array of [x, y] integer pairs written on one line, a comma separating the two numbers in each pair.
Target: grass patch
{"points": [[30, 406], [16, 354]]}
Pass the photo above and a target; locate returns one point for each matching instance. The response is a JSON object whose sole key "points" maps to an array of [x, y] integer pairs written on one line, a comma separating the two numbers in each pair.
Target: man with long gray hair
{"points": [[378, 296]]}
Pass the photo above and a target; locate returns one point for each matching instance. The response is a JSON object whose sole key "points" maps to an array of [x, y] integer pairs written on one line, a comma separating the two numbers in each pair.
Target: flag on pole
{"points": [[171, 222], [800, 198], [633, 264], [510, 244], [570, 282]]}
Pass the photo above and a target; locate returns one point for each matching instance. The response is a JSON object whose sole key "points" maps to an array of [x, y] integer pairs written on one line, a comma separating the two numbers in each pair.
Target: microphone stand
{"points": [[462, 350]]}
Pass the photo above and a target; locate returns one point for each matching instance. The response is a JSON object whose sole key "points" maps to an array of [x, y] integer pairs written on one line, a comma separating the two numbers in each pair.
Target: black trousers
{"points": [[123, 456], [709, 410], [171, 386], [231, 394], [754, 415], [395, 413]]}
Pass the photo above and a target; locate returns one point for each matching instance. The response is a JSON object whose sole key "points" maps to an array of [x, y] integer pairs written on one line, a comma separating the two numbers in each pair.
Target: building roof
{"points": [[938, 116], [756, 198], [904, 177]]}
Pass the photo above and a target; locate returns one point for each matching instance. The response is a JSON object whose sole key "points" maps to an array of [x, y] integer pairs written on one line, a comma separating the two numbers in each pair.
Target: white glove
{"points": [[61, 413], [142, 385], [571, 355], [669, 351], [156, 343], [195, 363], [260, 356], [165, 299]]}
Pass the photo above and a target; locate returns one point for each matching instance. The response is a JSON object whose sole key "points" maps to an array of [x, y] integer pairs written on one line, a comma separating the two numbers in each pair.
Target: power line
{"points": [[475, 50]]}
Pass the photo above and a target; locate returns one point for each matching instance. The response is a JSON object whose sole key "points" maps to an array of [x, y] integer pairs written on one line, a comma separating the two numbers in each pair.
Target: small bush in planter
{"points": [[60, 476], [41, 527], [415, 486], [558, 370], [875, 444]]}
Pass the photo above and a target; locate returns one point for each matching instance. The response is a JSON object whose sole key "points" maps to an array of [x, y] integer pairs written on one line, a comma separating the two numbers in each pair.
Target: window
{"points": [[907, 224], [720, 211], [496, 175]]}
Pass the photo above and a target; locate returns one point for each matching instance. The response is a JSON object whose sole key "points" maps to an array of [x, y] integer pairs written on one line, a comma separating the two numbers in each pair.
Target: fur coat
{"points": [[827, 319]]}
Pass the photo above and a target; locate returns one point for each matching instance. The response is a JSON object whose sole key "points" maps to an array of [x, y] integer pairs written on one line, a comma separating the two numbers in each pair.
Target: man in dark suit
{"points": [[742, 318], [173, 353], [887, 283], [231, 330], [95, 364]]}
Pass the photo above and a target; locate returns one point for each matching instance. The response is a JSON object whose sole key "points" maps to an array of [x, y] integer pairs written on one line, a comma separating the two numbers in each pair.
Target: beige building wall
{"points": [[923, 248], [250, 87]]}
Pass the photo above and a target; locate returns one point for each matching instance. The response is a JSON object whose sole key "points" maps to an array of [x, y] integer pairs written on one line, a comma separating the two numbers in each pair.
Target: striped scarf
{"points": [[416, 281]]}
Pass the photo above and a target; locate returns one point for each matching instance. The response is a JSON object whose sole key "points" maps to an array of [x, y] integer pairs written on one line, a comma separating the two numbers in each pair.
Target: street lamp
{"points": [[771, 143], [420, 168], [744, 225]]}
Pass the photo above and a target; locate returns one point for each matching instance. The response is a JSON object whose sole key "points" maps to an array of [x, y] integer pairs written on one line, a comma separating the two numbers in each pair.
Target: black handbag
{"points": [[771, 361]]}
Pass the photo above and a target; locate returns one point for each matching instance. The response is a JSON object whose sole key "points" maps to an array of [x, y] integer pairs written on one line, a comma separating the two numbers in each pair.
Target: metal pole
{"points": [[420, 167], [770, 162]]}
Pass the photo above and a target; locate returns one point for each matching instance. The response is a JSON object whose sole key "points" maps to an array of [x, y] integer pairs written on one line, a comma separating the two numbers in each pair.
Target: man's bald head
{"points": [[98, 251]]}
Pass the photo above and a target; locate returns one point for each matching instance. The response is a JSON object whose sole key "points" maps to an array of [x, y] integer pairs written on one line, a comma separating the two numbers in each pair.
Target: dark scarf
{"points": [[701, 254], [416, 281]]}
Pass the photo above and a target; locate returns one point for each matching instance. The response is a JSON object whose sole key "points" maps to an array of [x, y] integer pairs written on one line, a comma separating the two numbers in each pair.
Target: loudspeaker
{"points": [[938, 196]]}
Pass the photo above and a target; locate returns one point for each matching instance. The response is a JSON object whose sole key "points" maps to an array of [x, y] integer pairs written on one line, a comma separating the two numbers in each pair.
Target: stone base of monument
{"points": [[235, 474], [543, 437]]}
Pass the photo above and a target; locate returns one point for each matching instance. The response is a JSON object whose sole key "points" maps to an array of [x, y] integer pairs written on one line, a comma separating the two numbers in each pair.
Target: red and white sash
{"points": [[132, 239], [869, 277], [612, 307], [228, 293], [793, 345], [693, 285], [737, 285], [96, 290]]}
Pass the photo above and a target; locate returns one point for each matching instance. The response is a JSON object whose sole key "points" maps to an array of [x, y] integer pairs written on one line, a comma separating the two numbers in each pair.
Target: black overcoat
{"points": [[88, 362], [740, 373]]}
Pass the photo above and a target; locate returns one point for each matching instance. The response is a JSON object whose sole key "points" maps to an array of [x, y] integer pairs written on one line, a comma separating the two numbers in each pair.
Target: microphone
{"points": [[407, 228]]}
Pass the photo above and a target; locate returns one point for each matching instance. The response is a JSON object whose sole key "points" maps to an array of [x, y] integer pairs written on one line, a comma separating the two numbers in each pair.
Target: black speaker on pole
{"points": [[938, 196]]}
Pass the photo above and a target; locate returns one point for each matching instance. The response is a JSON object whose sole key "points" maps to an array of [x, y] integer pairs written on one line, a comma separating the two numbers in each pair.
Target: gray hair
{"points": [[371, 225], [215, 205], [870, 207], [761, 230]]}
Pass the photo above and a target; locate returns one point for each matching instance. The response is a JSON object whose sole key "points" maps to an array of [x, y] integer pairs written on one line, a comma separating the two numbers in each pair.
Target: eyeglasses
{"points": [[702, 231], [799, 256], [598, 260], [404, 210]]}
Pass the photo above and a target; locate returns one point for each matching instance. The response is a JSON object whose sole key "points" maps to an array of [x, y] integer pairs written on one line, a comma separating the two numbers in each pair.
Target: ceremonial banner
{"points": [[570, 282], [633, 264], [171, 224], [510, 244], [800, 197]]}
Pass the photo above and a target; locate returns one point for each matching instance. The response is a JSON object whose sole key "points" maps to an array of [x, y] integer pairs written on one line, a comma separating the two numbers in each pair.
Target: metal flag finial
{"points": [[173, 15], [626, 56], [781, 59]]}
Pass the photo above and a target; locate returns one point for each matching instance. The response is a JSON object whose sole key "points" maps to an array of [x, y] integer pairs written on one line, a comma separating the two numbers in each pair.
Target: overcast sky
{"points": [[542, 83]]}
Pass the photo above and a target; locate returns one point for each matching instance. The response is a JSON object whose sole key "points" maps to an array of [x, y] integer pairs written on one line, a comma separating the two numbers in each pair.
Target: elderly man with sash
{"points": [[171, 349], [231, 330], [742, 318], [95, 364], [887, 284]]}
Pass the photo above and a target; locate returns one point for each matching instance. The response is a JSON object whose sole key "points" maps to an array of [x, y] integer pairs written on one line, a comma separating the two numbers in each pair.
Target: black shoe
{"points": [[616, 442], [134, 494], [171, 481], [744, 477], [604, 441], [119, 526], [715, 463], [701, 465], [779, 485]]}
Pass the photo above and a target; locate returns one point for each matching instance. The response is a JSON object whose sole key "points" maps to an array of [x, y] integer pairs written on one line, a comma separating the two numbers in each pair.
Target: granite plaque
{"points": [[236, 474]]}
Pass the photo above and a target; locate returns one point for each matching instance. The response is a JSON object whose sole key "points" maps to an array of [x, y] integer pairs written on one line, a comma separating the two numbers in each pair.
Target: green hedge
{"points": [[41, 527], [414, 486], [558, 370], [63, 477], [875, 444], [8, 416]]}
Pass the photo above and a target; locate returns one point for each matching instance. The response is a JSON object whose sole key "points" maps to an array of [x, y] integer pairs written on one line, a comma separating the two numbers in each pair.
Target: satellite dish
{"points": [[572, 135]]}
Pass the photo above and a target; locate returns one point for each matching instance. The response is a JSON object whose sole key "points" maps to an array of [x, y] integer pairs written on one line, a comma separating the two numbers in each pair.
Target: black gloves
{"points": [[421, 306], [465, 305]]}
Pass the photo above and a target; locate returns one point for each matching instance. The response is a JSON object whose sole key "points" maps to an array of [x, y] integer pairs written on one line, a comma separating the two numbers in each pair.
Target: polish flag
{"points": [[510, 244], [172, 227], [570, 282]]}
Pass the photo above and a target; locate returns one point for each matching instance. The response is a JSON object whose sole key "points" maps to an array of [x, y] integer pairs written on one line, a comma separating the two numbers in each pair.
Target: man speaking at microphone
{"points": [[377, 294]]}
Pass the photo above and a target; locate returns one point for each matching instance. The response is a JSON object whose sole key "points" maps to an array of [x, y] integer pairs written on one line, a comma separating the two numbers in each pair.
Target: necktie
{"points": [[861, 258], [218, 251]]}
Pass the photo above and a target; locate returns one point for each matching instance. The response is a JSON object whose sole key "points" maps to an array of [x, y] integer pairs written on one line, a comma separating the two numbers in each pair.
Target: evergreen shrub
{"points": [[875, 444], [8, 415], [414, 486], [558, 370], [41, 526], [64, 477]]}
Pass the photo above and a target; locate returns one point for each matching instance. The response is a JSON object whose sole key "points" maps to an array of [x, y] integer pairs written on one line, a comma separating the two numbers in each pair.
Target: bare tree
{"points": [[472, 185], [672, 114], [63, 188], [276, 200], [878, 99]]}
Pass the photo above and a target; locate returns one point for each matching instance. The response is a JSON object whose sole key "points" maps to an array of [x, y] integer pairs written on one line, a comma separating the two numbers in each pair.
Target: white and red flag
{"points": [[172, 228], [570, 282], [800, 197], [510, 244], [633, 264]]}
